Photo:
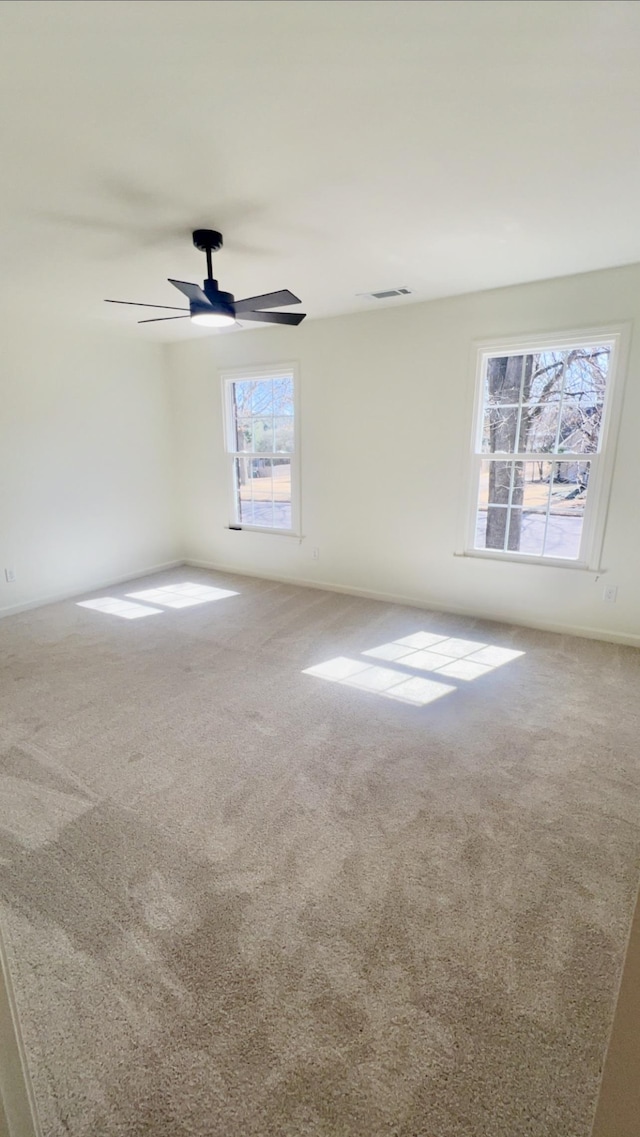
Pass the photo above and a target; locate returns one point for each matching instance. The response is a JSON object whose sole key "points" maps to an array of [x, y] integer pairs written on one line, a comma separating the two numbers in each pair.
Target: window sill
{"points": [[524, 558], [264, 529]]}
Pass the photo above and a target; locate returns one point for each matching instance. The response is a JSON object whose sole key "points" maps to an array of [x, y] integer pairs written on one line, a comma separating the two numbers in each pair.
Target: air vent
{"points": [[388, 293]]}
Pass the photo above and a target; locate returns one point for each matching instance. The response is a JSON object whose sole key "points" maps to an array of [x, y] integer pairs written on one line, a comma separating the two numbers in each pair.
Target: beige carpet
{"points": [[246, 901]]}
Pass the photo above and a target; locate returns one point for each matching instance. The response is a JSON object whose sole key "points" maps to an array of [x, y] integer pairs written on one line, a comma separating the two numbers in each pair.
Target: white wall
{"points": [[385, 434], [87, 461]]}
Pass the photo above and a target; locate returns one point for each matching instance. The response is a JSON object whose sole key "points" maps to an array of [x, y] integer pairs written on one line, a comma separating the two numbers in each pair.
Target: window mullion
{"points": [[561, 404], [508, 517], [548, 510], [516, 440]]}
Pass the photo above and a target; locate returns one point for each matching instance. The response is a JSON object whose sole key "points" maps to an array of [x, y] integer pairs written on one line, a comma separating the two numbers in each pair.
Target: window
{"points": [[261, 443], [543, 414]]}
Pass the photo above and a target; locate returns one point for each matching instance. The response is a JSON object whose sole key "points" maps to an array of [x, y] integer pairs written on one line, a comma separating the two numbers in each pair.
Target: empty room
{"points": [[319, 568]]}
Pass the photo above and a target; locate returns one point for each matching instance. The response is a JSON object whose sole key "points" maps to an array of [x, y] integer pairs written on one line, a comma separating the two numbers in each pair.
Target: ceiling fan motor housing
{"points": [[221, 301]]}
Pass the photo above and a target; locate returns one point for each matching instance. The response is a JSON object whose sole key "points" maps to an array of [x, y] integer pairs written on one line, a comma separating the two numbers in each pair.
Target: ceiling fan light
{"points": [[213, 319]]}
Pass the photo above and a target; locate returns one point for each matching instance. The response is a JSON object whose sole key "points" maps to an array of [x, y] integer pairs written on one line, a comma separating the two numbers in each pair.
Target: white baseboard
{"points": [[88, 586], [628, 638]]}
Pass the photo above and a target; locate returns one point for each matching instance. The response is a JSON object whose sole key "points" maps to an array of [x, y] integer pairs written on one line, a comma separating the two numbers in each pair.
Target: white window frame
{"points": [[602, 462], [267, 371]]}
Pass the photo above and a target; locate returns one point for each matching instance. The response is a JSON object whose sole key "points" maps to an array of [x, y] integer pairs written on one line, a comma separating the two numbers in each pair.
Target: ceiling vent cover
{"points": [[388, 293]]}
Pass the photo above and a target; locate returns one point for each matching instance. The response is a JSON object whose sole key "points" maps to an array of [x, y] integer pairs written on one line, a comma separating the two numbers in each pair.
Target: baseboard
{"points": [[434, 605], [89, 586], [627, 638], [18, 1110]]}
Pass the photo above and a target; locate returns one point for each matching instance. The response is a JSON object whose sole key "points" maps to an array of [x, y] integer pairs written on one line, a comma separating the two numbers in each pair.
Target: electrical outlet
{"points": [[10, 575], [316, 553], [610, 594]]}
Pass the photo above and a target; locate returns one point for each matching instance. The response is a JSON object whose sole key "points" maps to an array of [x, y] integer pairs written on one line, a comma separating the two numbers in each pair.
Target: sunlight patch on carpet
{"points": [[411, 656], [114, 606], [381, 680], [182, 595], [185, 595], [458, 659]]}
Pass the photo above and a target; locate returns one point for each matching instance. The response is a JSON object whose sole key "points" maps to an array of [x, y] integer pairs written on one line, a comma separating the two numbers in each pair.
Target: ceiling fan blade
{"points": [[137, 304], [267, 300], [272, 317], [192, 292], [158, 319]]}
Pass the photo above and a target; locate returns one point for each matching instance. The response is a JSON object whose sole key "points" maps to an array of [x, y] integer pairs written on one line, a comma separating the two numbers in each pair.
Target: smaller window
{"points": [[540, 436], [261, 441]]}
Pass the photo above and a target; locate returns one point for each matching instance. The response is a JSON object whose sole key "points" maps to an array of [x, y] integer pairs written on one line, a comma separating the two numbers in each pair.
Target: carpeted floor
{"points": [[255, 882]]}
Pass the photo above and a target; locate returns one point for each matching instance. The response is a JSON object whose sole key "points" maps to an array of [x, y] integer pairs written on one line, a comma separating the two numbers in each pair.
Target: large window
{"points": [[542, 417], [261, 443]]}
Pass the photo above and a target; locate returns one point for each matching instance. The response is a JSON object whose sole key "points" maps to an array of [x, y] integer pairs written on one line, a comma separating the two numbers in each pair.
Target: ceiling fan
{"points": [[211, 307]]}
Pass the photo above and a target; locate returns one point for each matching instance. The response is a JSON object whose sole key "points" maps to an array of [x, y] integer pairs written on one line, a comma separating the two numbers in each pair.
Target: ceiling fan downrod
{"points": [[207, 241]]}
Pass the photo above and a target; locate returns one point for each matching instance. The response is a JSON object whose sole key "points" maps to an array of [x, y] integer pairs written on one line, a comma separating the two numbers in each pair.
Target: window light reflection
{"points": [[114, 606], [184, 595], [444, 656], [382, 680]]}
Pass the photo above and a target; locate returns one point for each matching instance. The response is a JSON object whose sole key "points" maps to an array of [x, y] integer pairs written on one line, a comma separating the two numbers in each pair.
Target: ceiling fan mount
{"points": [[214, 308], [207, 240]]}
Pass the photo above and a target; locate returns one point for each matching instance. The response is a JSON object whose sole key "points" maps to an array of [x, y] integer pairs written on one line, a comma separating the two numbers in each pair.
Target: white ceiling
{"points": [[341, 147]]}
